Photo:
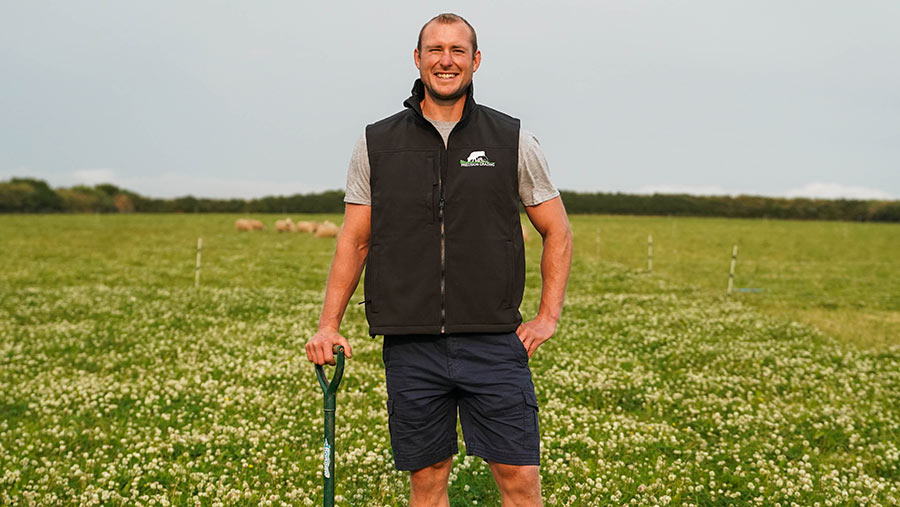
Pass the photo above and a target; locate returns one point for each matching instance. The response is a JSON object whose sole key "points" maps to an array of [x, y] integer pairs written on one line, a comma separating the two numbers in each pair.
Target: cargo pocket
{"points": [[408, 435], [531, 438]]}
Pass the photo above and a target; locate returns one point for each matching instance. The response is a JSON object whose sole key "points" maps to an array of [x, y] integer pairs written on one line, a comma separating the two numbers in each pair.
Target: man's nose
{"points": [[446, 61]]}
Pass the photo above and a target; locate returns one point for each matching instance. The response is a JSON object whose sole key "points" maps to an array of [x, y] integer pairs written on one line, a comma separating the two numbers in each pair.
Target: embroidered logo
{"points": [[477, 159]]}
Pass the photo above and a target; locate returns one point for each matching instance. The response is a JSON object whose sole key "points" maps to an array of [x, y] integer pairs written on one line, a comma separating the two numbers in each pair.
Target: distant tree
{"points": [[82, 199], [186, 204], [123, 203], [108, 189], [14, 197], [42, 199], [884, 211]]}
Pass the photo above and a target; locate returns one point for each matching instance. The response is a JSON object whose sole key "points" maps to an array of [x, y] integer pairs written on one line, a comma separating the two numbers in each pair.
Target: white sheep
{"points": [[285, 225], [247, 224], [327, 230], [307, 226]]}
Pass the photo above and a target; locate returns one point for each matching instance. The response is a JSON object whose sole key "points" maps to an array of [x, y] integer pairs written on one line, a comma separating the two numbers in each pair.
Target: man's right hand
{"points": [[320, 348]]}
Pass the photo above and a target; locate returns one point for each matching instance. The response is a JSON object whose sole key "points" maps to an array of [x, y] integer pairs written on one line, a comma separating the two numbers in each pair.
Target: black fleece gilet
{"points": [[446, 253]]}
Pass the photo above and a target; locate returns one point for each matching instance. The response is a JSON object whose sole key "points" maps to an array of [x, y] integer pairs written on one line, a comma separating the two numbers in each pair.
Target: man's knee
{"points": [[428, 486], [519, 483], [437, 473]]}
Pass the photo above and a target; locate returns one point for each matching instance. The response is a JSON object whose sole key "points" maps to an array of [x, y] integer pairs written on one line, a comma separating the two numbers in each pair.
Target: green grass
{"points": [[121, 384], [841, 277]]}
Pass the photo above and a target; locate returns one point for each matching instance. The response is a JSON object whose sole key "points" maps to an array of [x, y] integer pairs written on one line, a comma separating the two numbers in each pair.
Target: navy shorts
{"points": [[484, 376]]}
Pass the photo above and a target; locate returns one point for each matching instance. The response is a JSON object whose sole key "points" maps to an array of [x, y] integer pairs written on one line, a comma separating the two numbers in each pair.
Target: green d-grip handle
{"points": [[329, 390]]}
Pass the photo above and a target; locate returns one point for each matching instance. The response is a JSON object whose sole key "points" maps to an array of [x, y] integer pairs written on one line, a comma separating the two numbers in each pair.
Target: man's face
{"points": [[446, 62]]}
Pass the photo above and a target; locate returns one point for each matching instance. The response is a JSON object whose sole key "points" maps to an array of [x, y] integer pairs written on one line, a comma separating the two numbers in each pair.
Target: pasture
{"points": [[122, 384], [841, 277]]}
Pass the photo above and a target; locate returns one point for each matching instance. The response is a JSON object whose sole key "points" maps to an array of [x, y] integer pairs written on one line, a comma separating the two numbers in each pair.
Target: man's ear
{"points": [[416, 57], [477, 60]]}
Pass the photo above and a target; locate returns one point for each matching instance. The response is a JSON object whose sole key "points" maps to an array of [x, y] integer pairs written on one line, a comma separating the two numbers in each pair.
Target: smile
{"points": [[443, 75]]}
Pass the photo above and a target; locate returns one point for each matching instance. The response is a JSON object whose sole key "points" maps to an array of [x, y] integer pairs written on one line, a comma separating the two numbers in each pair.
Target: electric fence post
{"points": [[197, 268], [731, 272]]}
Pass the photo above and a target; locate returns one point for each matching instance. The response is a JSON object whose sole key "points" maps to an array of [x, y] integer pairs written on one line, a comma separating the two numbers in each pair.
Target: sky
{"points": [[247, 99]]}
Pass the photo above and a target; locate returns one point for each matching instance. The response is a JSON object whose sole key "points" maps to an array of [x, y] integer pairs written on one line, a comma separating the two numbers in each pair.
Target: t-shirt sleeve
{"points": [[534, 174], [358, 190]]}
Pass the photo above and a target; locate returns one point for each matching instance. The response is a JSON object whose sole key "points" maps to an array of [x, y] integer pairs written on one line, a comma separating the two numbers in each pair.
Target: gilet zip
{"points": [[441, 171]]}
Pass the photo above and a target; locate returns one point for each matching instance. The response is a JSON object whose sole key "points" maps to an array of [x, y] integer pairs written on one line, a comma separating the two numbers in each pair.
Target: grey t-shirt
{"points": [[534, 176]]}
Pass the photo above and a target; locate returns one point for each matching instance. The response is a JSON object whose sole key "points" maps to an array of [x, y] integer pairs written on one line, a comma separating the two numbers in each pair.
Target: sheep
{"points": [[327, 230], [247, 224], [307, 226], [285, 225]]}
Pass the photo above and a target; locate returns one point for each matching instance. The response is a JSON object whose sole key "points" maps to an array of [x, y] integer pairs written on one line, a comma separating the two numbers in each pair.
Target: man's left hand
{"points": [[535, 332]]}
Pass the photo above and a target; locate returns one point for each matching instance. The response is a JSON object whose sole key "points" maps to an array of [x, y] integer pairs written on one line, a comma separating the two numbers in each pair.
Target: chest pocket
{"points": [[404, 188]]}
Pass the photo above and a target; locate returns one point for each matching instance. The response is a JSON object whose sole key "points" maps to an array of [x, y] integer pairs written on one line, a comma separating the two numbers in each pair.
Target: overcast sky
{"points": [[246, 99]]}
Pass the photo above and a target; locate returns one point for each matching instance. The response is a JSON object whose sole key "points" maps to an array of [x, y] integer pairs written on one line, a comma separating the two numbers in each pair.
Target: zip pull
{"points": [[364, 301]]}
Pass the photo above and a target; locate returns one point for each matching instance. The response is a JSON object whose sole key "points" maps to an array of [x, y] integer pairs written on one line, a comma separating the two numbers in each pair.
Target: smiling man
{"points": [[432, 211]]}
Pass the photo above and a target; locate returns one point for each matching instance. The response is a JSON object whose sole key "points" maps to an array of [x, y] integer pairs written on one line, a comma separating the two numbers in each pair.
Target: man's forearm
{"points": [[343, 277], [556, 259]]}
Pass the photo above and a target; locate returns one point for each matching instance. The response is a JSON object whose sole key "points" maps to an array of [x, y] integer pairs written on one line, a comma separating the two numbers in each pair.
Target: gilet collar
{"points": [[414, 102]]}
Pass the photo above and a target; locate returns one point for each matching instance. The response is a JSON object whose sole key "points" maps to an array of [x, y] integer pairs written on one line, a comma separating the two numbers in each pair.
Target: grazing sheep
{"points": [[327, 230], [285, 225], [307, 226], [247, 224]]}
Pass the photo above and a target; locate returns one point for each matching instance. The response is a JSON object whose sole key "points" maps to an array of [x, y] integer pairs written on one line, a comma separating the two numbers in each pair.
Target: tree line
{"points": [[742, 206], [29, 195]]}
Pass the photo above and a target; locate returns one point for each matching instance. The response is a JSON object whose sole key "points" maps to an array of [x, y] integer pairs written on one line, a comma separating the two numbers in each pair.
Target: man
{"points": [[432, 211]]}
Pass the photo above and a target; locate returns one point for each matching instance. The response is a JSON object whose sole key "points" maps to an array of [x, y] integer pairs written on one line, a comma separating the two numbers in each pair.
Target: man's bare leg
{"points": [[428, 486], [520, 486]]}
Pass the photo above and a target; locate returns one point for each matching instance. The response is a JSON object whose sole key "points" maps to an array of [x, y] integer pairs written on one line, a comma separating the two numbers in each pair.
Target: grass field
{"points": [[843, 278], [122, 384]]}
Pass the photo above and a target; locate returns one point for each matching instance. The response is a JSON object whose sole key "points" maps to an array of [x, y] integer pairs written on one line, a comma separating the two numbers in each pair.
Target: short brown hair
{"points": [[449, 18]]}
